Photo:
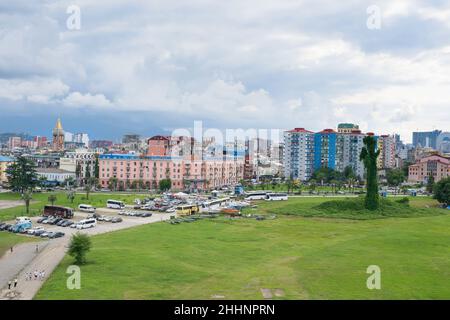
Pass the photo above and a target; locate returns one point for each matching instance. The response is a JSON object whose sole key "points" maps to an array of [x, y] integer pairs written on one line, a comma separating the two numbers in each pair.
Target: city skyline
{"points": [[154, 68]]}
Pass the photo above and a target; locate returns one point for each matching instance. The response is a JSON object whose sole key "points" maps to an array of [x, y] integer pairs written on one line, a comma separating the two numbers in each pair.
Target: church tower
{"points": [[58, 137]]}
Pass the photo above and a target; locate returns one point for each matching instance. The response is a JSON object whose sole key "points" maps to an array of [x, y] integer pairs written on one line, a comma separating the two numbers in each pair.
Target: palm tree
{"points": [[70, 195], [27, 196], [90, 183], [52, 199]]}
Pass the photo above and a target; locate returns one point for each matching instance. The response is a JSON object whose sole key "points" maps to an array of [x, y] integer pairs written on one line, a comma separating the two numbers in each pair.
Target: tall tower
{"points": [[58, 137]]}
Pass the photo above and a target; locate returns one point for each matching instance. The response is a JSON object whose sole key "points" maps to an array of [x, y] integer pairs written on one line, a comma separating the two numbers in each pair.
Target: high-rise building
{"points": [[325, 149], [58, 137], [14, 142], [348, 150], [298, 154], [386, 145], [443, 142], [426, 139]]}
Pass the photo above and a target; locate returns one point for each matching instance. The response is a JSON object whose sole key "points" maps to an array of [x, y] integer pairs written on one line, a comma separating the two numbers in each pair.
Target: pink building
{"points": [[184, 173], [435, 165]]}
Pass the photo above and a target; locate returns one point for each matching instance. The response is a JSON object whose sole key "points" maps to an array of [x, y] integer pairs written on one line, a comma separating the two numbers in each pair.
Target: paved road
{"points": [[48, 258]]}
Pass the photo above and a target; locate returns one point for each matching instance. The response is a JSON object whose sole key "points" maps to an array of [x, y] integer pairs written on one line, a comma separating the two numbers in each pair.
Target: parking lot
{"points": [[54, 250]]}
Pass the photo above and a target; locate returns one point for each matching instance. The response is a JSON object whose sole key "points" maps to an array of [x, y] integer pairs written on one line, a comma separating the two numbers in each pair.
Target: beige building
{"points": [[434, 165], [5, 162]]}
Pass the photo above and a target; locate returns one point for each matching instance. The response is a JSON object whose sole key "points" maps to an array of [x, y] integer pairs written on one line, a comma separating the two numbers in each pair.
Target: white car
{"points": [[33, 230]]}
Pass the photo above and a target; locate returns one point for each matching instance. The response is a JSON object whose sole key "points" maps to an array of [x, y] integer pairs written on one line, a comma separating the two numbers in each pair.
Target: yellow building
{"points": [[5, 162]]}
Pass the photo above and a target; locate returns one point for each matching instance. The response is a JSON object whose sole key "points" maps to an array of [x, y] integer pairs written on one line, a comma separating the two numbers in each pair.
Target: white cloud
{"points": [[261, 63], [36, 89], [77, 99]]}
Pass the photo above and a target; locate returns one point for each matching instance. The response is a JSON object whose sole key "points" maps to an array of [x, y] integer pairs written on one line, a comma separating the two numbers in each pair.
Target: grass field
{"points": [[306, 258], [349, 208], [8, 240], [41, 199]]}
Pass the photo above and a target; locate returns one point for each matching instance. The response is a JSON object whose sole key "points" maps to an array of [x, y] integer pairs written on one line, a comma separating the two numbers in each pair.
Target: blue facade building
{"points": [[325, 149]]}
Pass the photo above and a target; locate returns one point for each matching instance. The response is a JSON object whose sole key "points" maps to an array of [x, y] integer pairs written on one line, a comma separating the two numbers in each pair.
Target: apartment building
{"points": [[298, 154]]}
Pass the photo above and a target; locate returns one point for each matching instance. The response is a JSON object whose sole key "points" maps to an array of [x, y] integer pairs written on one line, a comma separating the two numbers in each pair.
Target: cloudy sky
{"points": [[153, 66]]}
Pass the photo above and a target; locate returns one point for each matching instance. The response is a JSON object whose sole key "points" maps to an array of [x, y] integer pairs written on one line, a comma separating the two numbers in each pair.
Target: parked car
{"points": [[45, 234], [67, 223], [41, 219], [107, 219], [39, 232], [146, 214], [116, 219], [56, 235], [61, 222], [33, 230]]}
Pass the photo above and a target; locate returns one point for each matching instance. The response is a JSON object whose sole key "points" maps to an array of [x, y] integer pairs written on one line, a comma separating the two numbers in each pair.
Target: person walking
{"points": [[9, 285], [37, 248], [15, 282], [11, 249]]}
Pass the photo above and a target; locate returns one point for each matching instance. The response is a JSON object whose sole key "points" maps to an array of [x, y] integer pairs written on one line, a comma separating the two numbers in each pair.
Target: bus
{"points": [[215, 203], [115, 204], [57, 211], [86, 208], [276, 196], [256, 196], [187, 209]]}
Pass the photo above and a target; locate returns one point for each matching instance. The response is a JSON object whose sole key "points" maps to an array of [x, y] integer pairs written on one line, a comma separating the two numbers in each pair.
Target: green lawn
{"points": [[7, 240], [41, 199], [348, 208], [307, 258]]}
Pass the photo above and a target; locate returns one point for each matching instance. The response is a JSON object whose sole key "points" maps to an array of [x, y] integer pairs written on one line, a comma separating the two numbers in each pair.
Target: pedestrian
{"points": [[9, 285], [11, 249], [37, 248], [15, 282]]}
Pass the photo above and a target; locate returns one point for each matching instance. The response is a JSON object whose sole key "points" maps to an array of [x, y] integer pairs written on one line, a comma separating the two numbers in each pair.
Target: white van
{"points": [[86, 208], [86, 223], [22, 219]]}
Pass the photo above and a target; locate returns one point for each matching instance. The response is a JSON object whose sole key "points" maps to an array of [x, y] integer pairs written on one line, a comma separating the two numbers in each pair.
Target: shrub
{"points": [[79, 246], [404, 200]]}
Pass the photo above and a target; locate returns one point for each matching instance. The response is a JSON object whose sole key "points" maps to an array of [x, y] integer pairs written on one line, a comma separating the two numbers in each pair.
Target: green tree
{"points": [[22, 175], [395, 177], [165, 185], [79, 246], [69, 182], [96, 167], [430, 183], [78, 172], [369, 156], [70, 196], [52, 199], [87, 174], [112, 183], [441, 191], [312, 185], [90, 184], [42, 181], [27, 196]]}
